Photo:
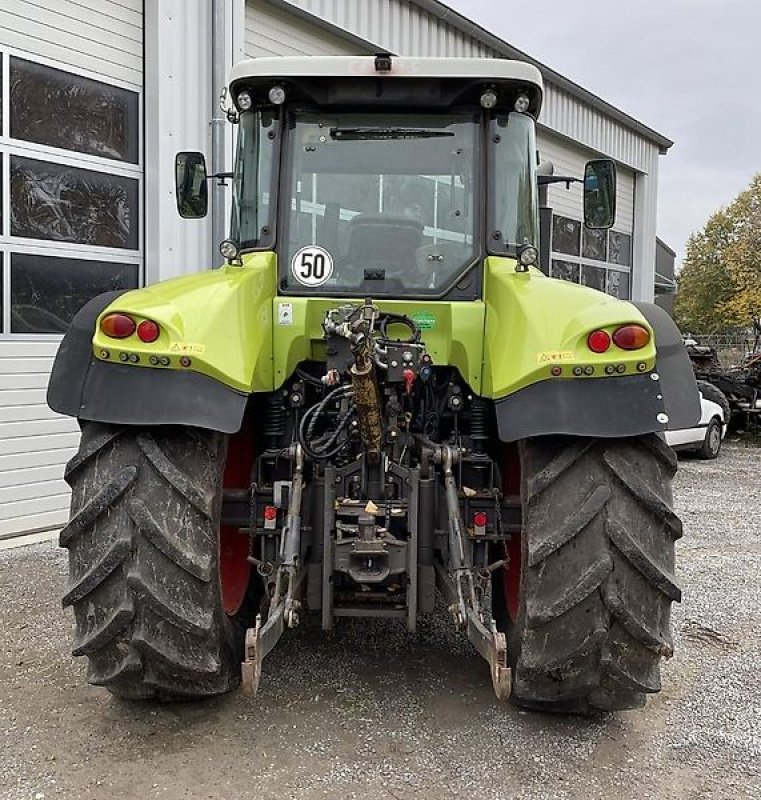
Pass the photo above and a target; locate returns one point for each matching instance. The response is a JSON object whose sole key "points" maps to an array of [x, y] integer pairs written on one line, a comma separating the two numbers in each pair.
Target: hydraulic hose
{"points": [[309, 422]]}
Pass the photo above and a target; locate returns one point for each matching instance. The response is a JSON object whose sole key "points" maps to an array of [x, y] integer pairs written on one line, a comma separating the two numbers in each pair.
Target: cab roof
{"points": [[495, 69], [331, 73]]}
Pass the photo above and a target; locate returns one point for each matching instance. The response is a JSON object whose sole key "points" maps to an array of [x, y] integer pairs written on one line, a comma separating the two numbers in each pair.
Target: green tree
{"points": [[720, 282]]}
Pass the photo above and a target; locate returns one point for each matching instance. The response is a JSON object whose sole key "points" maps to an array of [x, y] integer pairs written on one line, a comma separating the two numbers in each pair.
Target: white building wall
{"points": [[569, 159], [104, 41], [35, 443], [273, 31], [92, 35], [645, 232], [399, 27], [178, 109]]}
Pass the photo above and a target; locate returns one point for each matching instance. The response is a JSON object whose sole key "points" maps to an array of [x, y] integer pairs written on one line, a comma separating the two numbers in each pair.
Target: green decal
{"points": [[425, 320]]}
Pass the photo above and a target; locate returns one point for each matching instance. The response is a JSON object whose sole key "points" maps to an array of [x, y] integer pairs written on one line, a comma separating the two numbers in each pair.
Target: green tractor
{"points": [[379, 400]]}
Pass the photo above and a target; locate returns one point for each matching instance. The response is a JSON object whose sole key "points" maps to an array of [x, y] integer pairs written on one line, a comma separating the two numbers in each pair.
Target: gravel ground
{"points": [[369, 712]]}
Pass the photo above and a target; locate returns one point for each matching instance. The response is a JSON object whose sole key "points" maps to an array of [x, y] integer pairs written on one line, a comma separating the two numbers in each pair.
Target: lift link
{"points": [[458, 587], [289, 580]]}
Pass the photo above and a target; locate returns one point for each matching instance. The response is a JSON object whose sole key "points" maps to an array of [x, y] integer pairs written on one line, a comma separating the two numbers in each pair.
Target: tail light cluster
{"points": [[121, 326], [627, 337]]}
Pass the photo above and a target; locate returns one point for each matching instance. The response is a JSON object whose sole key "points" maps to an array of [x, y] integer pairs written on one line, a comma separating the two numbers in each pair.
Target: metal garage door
{"points": [[71, 176]]}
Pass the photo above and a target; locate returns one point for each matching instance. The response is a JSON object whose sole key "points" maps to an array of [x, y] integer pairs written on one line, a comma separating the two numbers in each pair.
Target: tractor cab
{"points": [[385, 177]]}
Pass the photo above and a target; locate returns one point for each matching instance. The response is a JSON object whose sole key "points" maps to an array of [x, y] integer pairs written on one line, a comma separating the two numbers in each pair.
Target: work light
{"points": [[244, 101], [522, 103], [277, 95], [488, 99]]}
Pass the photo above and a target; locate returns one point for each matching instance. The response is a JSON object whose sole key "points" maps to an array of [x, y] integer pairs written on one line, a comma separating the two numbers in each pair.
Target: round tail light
{"points": [[117, 326], [148, 331], [598, 341], [480, 519], [631, 337]]}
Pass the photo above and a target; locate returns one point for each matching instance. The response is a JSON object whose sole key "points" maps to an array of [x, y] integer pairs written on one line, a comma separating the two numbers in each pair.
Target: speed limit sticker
{"points": [[312, 265]]}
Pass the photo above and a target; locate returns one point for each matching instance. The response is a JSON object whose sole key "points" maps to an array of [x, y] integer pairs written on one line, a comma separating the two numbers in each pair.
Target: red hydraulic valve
{"points": [[409, 379]]}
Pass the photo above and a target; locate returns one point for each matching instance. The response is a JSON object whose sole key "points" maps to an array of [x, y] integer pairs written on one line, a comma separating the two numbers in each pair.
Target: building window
{"points": [[46, 292], [565, 270], [71, 177], [620, 248], [594, 258], [595, 244], [594, 277], [67, 204], [56, 108], [618, 284], [566, 234]]}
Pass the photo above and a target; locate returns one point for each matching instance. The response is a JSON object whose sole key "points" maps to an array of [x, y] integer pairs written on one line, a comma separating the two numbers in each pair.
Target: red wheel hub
{"points": [[511, 576], [234, 567]]}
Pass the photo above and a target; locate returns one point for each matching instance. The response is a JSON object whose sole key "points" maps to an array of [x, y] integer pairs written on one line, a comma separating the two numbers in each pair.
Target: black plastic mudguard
{"points": [[604, 407], [677, 377], [84, 387], [665, 399]]}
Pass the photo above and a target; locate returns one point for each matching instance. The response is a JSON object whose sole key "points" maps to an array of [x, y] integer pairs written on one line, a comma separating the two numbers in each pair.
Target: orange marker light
{"points": [[117, 326], [631, 337]]}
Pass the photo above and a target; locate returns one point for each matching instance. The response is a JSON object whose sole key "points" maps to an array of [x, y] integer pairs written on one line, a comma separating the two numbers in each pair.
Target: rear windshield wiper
{"points": [[350, 134]]}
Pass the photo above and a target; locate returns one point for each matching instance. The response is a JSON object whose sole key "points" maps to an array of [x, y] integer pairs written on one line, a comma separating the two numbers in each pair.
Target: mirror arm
{"points": [[545, 180], [223, 176]]}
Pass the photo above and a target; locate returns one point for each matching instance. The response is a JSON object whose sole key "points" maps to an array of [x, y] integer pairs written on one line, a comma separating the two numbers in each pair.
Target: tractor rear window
{"points": [[379, 204]]}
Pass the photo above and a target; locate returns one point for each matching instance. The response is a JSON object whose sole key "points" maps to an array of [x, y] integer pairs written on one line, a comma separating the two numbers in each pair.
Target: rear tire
{"points": [[143, 544], [596, 579], [715, 395]]}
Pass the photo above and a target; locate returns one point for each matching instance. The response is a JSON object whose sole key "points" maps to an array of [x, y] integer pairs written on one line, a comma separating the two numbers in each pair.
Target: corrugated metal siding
{"points": [[569, 159], [270, 31], [99, 36], [35, 443], [566, 115], [400, 27]]}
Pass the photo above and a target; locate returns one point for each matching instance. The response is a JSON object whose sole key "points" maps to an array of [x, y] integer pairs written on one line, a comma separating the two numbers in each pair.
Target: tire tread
{"points": [[598, 573], [142, 544]]}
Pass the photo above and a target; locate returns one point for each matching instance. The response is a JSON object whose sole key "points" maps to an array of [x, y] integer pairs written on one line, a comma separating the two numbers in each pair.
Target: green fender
{"points": [[216, 323], [537, 326], [225, 334]]}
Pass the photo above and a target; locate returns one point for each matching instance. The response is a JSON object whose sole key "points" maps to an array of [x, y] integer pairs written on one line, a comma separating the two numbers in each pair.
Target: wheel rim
{"points": [[234, 566], [714, 439]]}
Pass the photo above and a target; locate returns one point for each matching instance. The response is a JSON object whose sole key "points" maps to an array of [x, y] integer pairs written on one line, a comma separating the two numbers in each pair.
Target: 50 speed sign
{"points": [[312, 265]]}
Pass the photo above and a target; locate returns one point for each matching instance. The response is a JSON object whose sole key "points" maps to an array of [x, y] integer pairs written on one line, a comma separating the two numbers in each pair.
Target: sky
{"points": [[690, 69]]}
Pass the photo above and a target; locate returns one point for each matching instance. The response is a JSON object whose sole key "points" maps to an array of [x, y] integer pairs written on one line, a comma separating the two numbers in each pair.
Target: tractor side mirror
{"points": [[600, 193], [191, 190]]}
